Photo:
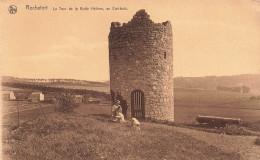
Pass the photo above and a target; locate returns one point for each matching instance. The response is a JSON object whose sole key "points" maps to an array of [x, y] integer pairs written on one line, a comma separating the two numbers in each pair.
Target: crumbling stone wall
{"points": [[141, 57]]}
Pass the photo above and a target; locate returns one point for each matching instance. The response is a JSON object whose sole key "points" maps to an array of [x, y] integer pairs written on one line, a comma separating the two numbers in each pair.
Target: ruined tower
{"points": [[141, 67]]}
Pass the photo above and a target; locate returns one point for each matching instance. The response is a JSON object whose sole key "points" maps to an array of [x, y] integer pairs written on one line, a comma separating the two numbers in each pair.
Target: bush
{"points": [[235, 129], [257, 141], [65, 103]]}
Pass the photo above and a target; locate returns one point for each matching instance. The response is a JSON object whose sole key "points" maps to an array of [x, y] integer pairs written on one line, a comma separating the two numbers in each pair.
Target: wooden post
{"points": [[18, 112], [42, 111]]}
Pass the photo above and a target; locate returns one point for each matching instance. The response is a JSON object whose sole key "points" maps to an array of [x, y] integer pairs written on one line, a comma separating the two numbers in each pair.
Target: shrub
{"points": [[257, 141], [65, 103], [234, 129]]}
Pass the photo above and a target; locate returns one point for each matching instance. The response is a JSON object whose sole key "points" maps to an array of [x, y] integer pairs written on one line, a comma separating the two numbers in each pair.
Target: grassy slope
{"points": [[80, 136], [90, 136]]}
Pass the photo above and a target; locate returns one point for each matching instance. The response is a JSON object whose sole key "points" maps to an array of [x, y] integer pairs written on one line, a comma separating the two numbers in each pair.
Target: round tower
{"points": [[141, 67]]}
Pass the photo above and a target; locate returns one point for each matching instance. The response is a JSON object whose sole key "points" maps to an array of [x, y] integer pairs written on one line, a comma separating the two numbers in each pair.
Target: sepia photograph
{"points": [[130, 80]]}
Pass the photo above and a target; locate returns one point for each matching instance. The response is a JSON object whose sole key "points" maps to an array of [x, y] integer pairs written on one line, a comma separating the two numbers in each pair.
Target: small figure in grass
{"points": [[117, 112], [135, 124]]}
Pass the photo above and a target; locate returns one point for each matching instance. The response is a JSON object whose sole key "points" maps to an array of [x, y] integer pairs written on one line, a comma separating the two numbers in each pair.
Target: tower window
{"points": [[164, 55]]}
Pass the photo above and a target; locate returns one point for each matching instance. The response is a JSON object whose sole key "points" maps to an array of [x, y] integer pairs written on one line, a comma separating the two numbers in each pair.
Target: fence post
{"points": [[18, 113], [42, 111]]}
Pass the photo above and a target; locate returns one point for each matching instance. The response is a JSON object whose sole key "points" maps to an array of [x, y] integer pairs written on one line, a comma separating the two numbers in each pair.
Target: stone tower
{"points": [[141, 67]]}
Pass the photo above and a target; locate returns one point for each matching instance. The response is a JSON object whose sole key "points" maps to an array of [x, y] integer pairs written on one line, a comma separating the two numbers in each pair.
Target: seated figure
{"points": [[117, 112]]}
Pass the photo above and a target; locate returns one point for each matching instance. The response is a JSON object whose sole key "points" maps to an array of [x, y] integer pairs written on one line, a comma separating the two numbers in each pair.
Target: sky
{"points": [[210, 37]]}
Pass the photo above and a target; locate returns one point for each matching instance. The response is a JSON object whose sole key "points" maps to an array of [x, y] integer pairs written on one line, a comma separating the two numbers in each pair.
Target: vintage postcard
{"points": [[118, 79]]}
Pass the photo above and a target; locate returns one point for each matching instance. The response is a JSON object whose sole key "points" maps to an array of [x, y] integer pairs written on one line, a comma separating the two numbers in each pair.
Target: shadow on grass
{"points": [[254, 126], [229, 129], [108, 118], [102, 117]]}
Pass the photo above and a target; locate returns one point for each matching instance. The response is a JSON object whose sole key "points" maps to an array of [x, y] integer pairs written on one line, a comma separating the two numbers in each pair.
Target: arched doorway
{"points": [[137, 104]]}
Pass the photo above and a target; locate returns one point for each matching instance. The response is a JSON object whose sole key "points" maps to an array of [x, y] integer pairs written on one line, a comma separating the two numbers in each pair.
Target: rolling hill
{"points": [[208, 82]]}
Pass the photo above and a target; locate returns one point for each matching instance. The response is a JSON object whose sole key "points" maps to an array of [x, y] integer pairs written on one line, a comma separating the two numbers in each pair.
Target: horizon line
{"points": [[109, 79]]}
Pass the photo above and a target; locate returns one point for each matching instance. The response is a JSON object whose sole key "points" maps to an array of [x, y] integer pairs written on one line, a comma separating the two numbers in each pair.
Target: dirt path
{"points": [[244, 145]]}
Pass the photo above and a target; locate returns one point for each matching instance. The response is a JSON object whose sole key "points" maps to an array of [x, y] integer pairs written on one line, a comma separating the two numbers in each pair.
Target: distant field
{"points": [[4, 88], [191, 102], [105, 89]]}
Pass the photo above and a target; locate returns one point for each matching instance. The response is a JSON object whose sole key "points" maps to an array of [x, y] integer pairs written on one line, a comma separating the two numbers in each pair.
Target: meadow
{"points": [[95, 136], [105, 89], [89, 133], [192, 102]]}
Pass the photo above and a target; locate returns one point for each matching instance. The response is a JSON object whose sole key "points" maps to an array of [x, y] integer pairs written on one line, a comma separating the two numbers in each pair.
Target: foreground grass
{"points": [[96, 137]]}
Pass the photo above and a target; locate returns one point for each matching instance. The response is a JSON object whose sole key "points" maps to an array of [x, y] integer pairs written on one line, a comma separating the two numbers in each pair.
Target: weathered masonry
{"points": [[141, 67]]}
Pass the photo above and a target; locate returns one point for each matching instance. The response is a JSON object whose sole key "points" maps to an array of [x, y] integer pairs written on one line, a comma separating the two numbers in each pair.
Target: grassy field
{"points": [[14, 106], [192, 102], [105, 89], [89, 133], [4, 88]]}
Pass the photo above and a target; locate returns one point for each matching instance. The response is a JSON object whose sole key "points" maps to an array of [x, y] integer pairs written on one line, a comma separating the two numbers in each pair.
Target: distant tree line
{"points": [[242, 89], [91, 93], [212, 82]]}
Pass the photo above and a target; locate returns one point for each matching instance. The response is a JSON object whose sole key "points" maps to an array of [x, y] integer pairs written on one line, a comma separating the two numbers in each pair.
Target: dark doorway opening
{"points": [[113, 96], [137, 104]]}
